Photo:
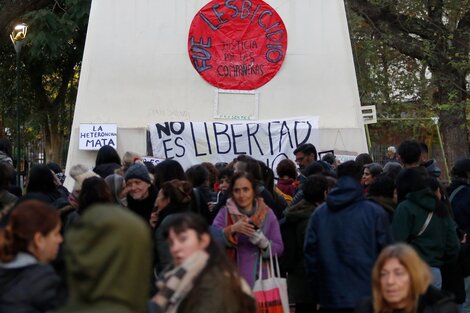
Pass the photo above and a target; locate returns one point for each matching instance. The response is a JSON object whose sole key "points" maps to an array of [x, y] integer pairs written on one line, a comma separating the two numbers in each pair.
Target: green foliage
{"points": [[50, 64], [413, 62], [387, 75]]}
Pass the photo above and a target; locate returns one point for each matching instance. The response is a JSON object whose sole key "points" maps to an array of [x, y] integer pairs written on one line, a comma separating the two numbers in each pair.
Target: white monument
{"points": [[145, 64]]}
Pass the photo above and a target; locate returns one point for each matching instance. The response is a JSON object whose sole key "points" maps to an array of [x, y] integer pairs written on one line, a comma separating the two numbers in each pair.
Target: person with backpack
{"points": [[422, 221]]}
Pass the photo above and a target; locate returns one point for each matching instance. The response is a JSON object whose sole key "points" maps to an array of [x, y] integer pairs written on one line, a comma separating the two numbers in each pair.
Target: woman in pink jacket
{"points": [[249, 227]]}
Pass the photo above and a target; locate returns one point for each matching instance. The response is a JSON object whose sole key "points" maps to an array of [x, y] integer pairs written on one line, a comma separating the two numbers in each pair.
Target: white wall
{"points": [[136, 70]]}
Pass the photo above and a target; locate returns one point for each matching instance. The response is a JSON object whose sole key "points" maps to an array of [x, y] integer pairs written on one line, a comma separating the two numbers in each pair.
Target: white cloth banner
{"points": [[269, 141]]}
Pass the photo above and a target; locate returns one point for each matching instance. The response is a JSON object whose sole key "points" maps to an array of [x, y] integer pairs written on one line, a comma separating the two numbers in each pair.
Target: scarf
{"points": [[178, 282]]}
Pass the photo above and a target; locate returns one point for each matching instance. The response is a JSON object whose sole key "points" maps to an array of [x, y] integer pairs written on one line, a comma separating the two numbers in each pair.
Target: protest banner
{"points": [[194, 142], [237, 44], [94, 136]]}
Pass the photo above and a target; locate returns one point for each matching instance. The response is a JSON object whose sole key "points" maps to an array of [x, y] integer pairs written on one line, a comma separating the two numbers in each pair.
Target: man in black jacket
{"points": [[459, 196]]}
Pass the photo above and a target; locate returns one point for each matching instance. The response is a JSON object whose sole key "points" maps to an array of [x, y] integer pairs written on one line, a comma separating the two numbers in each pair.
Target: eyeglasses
{"points": [[298, 160]]}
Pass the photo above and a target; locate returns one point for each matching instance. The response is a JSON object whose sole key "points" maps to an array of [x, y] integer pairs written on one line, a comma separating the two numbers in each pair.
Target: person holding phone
{"points": [[249, 226]]}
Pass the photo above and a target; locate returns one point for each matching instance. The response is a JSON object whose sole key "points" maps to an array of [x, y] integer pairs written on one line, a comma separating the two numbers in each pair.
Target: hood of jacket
{"points": [[299, 211], [346, 192], [386, 203], [9, 270], [108, 258], [423, 198], [106, 169]]}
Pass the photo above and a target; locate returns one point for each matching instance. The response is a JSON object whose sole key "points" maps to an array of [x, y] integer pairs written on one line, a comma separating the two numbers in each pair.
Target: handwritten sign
{"points": [[195, 142], [151, 159], [95, 136], [237, 44]]}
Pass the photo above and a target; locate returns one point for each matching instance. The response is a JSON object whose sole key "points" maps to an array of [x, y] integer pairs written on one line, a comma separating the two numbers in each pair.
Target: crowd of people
{"points": [[358, 236]]}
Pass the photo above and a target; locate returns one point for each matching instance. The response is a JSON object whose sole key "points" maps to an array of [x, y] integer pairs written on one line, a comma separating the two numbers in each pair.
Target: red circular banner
{"points": [[237, 44]]}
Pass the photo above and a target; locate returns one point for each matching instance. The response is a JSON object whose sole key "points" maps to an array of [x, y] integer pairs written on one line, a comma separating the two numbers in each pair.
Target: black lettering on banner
{"points": [[309, 130], [284, 131], [110, 143], [176, 131], [89, 143], [195, 142], [168, 128], [207, 138], [270, 136], [165, 129], [200, 55], [250, 134], [223, 132], [234, 137], [180, 145], [166, 149]]}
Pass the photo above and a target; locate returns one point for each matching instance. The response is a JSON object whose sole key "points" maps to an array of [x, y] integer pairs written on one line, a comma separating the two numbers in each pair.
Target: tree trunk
{"points": [[454, 133], [55, 142], [451, 95]]}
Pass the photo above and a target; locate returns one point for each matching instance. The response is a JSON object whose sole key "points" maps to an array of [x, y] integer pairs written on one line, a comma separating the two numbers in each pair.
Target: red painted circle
{"points": [[237, 44]]}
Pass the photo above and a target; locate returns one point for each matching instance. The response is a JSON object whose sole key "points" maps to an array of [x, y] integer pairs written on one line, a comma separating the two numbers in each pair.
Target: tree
{"points": [[434, 35], [52, 58], [11, 10]]}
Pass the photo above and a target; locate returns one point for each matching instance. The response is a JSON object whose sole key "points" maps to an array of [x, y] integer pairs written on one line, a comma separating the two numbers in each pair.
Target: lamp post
{"points": [[17, 36]]}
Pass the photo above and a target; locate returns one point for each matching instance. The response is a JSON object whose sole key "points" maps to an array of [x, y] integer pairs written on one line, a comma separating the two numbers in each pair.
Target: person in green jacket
{"points": [[108, 259], [423, 221]]}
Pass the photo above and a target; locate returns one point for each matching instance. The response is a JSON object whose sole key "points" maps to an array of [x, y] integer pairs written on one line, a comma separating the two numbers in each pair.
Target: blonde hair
{"points": [[420, 276], [129, 158]]}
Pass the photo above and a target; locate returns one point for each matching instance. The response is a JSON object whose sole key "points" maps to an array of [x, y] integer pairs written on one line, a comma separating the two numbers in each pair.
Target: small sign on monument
{"points": [[94, 136]]}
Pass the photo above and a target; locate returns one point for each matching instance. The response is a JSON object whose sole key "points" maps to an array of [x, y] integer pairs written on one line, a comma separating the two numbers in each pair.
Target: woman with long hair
{"points": [[94, 191], [369, 173], [249, 226], [28, 243], [41, 180], [423, 220], [173, 197], [202, 278], [107, 161], [401, 282]]}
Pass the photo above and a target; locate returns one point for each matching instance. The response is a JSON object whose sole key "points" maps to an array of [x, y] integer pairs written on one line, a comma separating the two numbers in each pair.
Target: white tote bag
{"points": [[271, 292]]}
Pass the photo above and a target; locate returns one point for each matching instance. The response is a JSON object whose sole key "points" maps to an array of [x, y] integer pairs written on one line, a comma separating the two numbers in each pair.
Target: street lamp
{"points": [[17, 36]]}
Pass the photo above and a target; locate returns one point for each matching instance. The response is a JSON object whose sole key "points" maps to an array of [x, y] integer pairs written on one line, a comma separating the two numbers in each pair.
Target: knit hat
{"points": [[138, 171], [461, 168], [79, 173]]}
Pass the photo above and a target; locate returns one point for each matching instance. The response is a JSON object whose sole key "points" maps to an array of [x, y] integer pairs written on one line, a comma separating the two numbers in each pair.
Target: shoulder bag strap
{"points": [[455, 192], [426, 223]]}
